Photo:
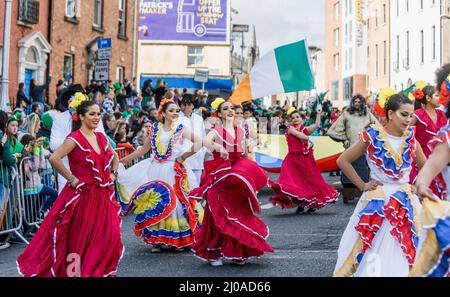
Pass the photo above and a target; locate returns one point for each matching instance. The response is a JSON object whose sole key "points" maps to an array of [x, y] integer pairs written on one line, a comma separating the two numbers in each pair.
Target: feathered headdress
{"points": [[382, 99]]}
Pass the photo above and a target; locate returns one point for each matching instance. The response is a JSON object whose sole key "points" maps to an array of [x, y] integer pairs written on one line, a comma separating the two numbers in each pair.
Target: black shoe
{"points": [[300, 209], [311, 210]]}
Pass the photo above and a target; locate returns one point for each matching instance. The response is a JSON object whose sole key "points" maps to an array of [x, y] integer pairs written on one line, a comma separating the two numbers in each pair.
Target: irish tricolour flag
{"points": [[283, 70]]}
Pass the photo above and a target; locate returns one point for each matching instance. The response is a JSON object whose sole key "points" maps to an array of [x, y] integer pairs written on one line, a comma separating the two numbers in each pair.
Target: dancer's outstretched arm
{"points": [[56, 161], [145, 148], [196, 147], [345, 163], [438, 160]]}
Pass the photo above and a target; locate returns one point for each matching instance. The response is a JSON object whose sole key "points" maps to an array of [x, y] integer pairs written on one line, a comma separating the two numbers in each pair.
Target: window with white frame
{"points": [[336, 62], [195, 56], [68, 68], [71, 8], [122, 18], [120, 74], [98, 13], [336, 11], [336, 37], [433, 33]]}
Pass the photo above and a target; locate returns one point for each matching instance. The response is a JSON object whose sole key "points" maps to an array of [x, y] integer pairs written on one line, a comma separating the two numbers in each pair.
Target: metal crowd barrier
{"points": [[32, 200], [11, 214]]}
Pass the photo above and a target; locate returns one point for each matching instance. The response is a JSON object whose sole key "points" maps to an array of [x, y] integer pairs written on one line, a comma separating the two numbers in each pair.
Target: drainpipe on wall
{"points": [[133, 74], [4, 82]]}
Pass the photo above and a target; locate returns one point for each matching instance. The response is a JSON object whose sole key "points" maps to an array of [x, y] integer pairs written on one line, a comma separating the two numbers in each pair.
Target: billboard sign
{"points": [[184, 21]]}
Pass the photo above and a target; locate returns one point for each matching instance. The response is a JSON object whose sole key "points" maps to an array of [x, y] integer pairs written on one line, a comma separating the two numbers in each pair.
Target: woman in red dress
{"points": [[300, 183], [81, 234], [230, 229], [428, 120]]}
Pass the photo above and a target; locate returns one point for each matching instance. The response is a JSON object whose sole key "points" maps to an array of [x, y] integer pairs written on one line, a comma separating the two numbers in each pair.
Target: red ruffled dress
{"points": [[300, 182], [426, 130], [231, 230], [81, 235]]}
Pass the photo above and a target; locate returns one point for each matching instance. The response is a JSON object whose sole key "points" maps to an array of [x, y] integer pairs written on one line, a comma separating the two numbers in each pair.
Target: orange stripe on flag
{"points": [[243, 92]]}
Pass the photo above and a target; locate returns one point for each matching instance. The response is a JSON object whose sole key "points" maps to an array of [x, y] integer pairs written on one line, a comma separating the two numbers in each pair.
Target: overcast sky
{"points": [[279, 22]]}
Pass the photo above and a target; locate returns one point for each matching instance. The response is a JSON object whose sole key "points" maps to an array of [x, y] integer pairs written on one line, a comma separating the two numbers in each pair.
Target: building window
{"points": [[123, 18], [422, 49], [336, 62], [433, 32], [68, 68], [376, 60], [376, 18], [336, 11], [407, 6], [398, 7], [98, 13], [336, 37], [120, 74], [71, 9], [348, 88], [385, 58], [29, 11], [398, 53], [335, 90], [195, 56], [407, 49], [384, 14]]}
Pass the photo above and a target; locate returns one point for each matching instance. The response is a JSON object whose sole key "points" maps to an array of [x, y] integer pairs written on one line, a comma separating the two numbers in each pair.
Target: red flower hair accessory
{"points": [[418, 94], [75, 117]]}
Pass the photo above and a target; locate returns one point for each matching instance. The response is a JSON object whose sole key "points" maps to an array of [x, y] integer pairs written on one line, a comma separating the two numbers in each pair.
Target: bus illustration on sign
{"points": [[188, 23]]}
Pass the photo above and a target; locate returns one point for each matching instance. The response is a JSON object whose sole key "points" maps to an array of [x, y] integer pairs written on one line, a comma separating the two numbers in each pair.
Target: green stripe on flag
{"points": [[294, 67]]}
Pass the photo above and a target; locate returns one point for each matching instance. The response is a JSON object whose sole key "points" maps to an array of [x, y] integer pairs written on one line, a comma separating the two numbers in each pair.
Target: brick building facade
{"points": [[29, 46], [75, 28], [60, 38]]}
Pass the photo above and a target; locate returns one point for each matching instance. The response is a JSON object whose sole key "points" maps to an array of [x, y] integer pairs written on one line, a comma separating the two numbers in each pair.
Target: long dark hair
{"points": [[362, 110], [164, 109], [3, 120], [394, 103], [428, 91], [82, 109]]}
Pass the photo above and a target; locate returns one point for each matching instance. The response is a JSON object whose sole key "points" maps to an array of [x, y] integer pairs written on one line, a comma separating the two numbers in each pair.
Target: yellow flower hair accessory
{"points": [[291, 111], [76, 100], [216, 103], [384, 96]]}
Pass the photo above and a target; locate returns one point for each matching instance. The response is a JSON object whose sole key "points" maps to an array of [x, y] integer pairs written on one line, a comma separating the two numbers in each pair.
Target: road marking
{"points": [[312, 235], [267, 206]]}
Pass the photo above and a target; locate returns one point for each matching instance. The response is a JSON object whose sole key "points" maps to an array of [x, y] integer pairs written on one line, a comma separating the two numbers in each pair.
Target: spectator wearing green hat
{"points": [[121, 98]]}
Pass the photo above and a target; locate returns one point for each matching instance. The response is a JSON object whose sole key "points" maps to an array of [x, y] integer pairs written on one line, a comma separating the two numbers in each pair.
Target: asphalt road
{"points": [[305, 246]]}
